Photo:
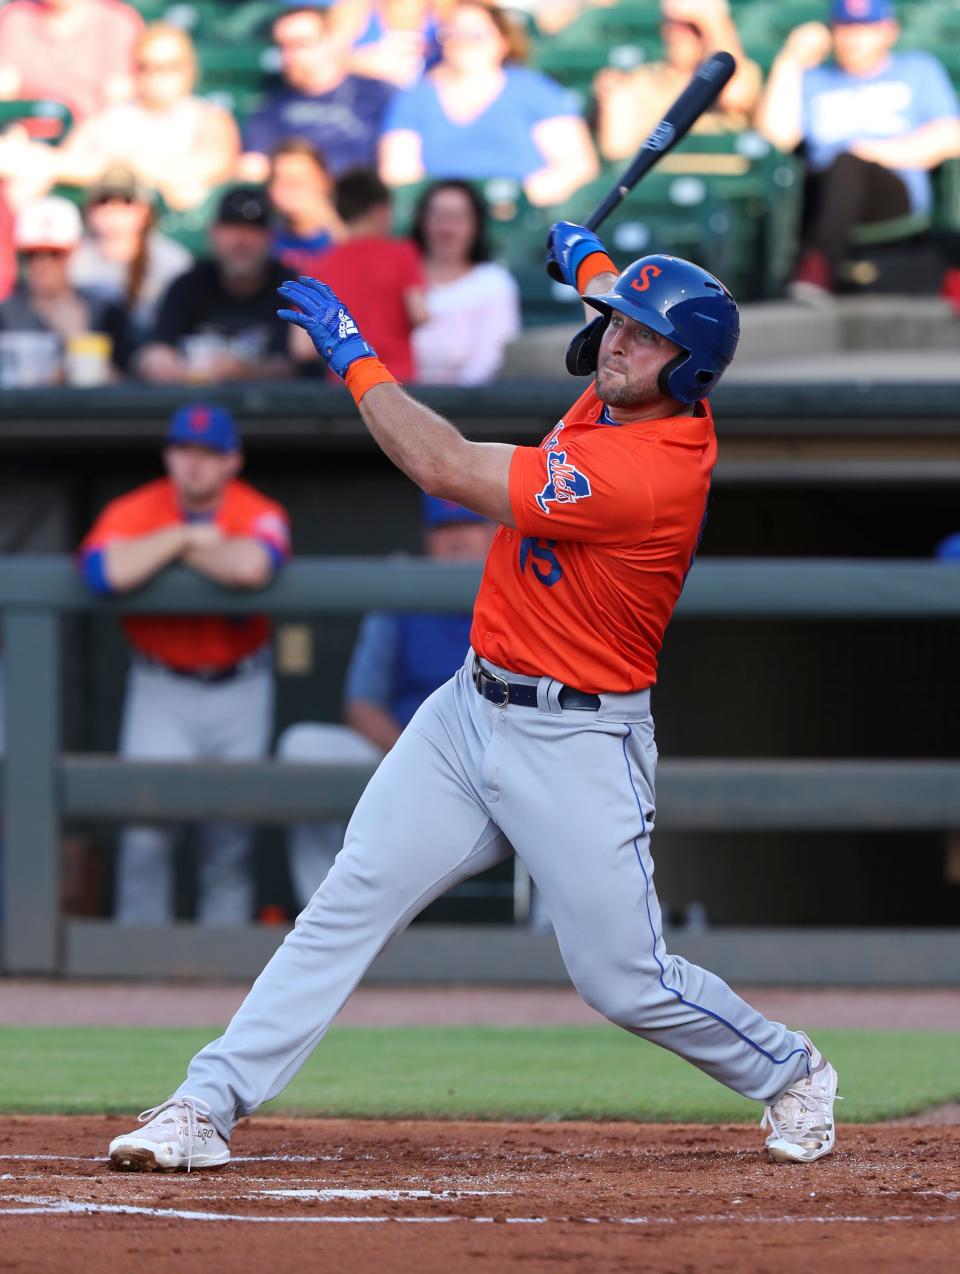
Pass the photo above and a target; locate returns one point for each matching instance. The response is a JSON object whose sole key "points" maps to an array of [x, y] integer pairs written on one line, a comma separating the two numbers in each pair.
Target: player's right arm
{"points": [[118, 565]]}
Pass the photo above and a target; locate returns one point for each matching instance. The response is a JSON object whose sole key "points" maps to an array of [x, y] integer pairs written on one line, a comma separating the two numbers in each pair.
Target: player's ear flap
{"points": [[666, 371], [584, 348]]}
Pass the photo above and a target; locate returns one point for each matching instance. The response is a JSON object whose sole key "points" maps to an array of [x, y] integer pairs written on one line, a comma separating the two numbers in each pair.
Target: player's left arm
{"points": [[238, 561], [435, 455], [427, 448], [242, 561]]}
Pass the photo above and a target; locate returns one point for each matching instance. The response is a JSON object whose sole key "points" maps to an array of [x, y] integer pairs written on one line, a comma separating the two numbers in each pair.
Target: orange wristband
{"points": [[363, 374], [588, 269]]}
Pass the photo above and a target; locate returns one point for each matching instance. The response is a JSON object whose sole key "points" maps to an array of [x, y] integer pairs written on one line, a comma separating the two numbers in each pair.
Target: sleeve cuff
{"points": [[94, 571], [363, 374], [588, 269]]}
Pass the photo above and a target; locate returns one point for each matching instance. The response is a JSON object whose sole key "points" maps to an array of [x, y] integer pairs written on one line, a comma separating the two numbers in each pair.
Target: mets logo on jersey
{"points": [[565, 483]]}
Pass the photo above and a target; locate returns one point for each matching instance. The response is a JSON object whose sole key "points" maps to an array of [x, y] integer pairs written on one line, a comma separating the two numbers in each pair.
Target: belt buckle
{"points": [[479, 672]]}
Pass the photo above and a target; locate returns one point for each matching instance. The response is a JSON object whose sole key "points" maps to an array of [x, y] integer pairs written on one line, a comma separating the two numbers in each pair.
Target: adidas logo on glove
{"points": [[347, 326]]}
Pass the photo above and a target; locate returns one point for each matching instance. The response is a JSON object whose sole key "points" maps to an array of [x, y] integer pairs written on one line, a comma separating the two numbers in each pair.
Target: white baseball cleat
{"points": [[176, 1136], [801, 1120]]}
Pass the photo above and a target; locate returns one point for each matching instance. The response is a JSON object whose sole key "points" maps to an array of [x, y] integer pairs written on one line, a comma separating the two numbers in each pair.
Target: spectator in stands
{"points": [[177, 143], [630, 103], [122, 257], [873, 122], [219, 320], [398, 661], [378, 277], [201, 687], [46, 308], [79, 52], [338, 112], [479, 113], [392, 40], [473, 302], [301, 192]]}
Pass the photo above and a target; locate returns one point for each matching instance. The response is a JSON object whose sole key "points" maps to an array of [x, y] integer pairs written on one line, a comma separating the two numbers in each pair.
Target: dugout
{"points": [[847, 472]]}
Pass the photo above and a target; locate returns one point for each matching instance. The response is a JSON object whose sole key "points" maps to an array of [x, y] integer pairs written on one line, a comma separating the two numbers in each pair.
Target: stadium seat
{"points": [[245, 64], [43, 120], [190, 226]]}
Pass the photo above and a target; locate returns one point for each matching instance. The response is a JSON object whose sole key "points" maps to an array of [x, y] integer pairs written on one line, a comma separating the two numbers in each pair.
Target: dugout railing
{"points": [[42, 787]]}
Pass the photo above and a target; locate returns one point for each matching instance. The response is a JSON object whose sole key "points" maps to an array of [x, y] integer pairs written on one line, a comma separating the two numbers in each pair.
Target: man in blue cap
{"points": [[873, 123], [399, 659], [201, 686]]}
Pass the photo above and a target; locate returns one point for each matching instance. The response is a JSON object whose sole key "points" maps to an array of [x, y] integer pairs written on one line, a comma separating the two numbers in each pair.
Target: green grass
{"points": [[567, 1072]]}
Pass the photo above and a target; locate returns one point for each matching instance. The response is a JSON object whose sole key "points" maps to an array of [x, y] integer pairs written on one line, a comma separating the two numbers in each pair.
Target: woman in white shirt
{"points": [[473, 303]]}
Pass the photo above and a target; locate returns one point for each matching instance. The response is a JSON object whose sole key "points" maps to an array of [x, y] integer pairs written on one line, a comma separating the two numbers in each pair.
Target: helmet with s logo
{"points": [[678, 300]]}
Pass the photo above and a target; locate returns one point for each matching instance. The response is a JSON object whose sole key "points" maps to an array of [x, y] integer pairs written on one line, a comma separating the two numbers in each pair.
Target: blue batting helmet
{"points": [[680, 301]]}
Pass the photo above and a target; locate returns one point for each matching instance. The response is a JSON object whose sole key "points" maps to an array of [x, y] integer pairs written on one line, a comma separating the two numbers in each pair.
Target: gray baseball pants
{"points": [[171, 718], [467, 784]]}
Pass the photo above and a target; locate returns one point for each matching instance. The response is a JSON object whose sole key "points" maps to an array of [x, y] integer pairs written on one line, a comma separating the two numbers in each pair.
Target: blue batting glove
{"points": [[327, 321], [567, 246]]}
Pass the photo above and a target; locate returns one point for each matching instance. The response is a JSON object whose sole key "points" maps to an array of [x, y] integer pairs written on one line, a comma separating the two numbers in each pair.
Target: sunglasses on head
{"points": [[34, 253]]}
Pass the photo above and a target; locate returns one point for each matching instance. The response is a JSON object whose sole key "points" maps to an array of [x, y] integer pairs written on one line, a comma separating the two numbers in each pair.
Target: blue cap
{"points": [[438, 512], [847, 12], [204, 425]]}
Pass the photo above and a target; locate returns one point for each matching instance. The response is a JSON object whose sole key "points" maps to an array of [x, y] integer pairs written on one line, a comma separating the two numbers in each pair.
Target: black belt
{"points": [[502, 692]]}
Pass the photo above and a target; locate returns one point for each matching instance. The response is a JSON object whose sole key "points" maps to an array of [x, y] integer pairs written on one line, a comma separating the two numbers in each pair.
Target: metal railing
{"points": [[41, 786]]}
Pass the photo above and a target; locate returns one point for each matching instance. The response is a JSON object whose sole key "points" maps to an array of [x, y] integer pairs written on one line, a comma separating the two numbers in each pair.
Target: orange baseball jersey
{"points": [[608, 519], [189, 642]]}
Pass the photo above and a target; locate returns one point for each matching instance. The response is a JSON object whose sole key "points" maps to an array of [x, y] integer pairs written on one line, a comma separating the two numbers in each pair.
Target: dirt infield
{"points": [[426, 1197]]}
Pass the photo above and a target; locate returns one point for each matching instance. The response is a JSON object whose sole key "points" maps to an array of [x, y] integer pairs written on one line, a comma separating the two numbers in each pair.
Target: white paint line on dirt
{"points": [[233, 1159], [394, 1196], [52, 1207], [59, 1158]]}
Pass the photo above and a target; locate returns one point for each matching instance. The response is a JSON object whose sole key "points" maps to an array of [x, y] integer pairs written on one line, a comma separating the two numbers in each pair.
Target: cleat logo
{"points": [[565, 483]]}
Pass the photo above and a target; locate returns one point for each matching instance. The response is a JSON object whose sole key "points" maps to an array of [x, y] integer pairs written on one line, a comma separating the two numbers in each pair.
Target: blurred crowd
{"points": [[110, 160]]}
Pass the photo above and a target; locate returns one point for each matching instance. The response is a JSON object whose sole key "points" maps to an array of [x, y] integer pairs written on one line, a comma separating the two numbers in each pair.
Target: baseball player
{"points": [[200, 686], [543, 742]]}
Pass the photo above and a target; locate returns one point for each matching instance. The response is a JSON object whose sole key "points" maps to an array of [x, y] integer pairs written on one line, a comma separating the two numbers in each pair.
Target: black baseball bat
{"points": [[708, 82], [703, 90]]}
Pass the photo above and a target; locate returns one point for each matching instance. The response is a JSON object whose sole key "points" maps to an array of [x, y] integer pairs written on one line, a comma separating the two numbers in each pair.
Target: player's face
{"points": [[200, 474], [460, 541], [861, 47], [630, 360]]}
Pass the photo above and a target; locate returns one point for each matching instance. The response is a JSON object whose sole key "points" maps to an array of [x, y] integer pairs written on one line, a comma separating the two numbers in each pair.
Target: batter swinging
{"points": [[543, 743]]}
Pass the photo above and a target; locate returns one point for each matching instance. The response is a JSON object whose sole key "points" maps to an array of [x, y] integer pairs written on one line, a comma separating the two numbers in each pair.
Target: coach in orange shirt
{"points": [[200, 686]]}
